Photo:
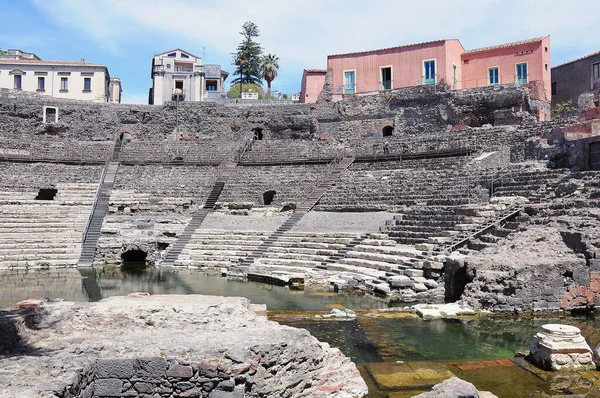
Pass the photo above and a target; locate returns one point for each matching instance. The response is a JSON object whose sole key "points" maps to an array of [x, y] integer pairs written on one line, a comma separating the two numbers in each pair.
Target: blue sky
{"points": [[125, 34]]}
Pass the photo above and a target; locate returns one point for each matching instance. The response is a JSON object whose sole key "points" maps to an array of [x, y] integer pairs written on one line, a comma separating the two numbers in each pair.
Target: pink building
{"points": [[312, 83], [432, 62]]}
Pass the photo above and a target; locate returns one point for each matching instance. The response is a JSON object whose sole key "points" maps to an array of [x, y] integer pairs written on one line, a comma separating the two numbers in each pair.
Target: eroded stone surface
{"points": [[208, 345], [559, 347]]}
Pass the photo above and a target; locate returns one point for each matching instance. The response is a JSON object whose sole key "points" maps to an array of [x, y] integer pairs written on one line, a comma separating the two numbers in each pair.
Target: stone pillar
{"points": [[561, 347]]}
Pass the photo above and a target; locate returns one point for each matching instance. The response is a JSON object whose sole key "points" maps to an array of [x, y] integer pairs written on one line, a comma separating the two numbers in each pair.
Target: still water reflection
{"points": [[367, 339]]}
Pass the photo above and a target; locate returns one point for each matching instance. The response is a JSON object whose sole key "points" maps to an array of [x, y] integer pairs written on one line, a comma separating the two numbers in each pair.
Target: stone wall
{"points": [[125, 346], [33, 176]]}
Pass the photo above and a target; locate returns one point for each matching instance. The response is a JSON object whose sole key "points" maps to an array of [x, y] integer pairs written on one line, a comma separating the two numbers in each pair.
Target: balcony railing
{"points": [[212, 94]]}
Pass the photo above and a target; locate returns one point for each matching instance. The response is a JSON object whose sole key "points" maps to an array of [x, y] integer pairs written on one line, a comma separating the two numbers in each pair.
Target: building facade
{"points": [[312, 83], [178, 75], [77, 80], [433, 62], [571, 79]]}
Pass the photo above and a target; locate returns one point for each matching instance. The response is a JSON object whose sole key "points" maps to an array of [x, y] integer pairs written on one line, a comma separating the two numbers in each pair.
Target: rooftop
{"points": [[577, 59], [393, 48], [506, 45], [41, 62]]}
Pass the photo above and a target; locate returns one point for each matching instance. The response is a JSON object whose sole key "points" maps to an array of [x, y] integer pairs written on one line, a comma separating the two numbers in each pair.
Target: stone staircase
{"points": [[43, 233], [467, 236], [100, 208], [334, 170], [92, 230], [199, 216], [325, 184]]}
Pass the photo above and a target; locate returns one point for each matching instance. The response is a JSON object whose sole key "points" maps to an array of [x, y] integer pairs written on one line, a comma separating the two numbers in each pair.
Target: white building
{"points": [[77, 80], [180, 75]]}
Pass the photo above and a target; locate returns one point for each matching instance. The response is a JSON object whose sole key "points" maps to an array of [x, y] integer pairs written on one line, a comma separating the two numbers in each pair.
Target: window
{"points": [[184, 55], [41, 83], [493, 79], [87, 84], [386, 78], [64, 84], [349, 82], [18, 81], [522, 73], [172, 55], [168, 66], [211, 85], [454, 76], [179, 84], [596, 70], [429, 72], [553, 88]]}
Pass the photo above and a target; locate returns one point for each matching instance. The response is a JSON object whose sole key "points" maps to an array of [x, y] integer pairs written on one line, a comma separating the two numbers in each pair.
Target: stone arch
{"points": [[268, 197], [387, 130], [258, 133], [134, 260], [577, 297]]}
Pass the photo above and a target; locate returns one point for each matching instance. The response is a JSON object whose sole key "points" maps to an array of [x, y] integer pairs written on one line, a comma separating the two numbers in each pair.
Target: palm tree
{"points": [[270, 65]]}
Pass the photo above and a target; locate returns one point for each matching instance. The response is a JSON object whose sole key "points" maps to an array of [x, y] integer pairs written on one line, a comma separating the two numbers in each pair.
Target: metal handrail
{"points": [[109, 160], [342, 153]]}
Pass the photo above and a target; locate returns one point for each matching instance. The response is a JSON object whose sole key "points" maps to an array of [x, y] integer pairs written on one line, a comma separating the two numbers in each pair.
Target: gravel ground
{"points": [[269, 219]]}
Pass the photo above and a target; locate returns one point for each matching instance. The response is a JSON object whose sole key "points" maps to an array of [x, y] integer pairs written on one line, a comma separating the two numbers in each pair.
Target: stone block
{"points": [[420, 287], [400, 281], [143, 387], [108, 387], [433, 265], [411, 272], [180, 371], [154, 367], [121, 368]]}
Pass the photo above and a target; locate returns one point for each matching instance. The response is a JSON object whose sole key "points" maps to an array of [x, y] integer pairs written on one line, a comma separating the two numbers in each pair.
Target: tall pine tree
{"points": [[247, 59]]}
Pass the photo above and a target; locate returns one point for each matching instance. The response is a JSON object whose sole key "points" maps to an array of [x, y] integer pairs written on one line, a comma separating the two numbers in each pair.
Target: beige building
{"points": [[178, 75], [77, 80]]}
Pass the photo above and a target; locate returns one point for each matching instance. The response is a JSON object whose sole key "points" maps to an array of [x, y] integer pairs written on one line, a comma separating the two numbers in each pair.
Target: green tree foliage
{"points": [[270, 66], [562, 108], [2, 52], [247, 58], [234, 90]]}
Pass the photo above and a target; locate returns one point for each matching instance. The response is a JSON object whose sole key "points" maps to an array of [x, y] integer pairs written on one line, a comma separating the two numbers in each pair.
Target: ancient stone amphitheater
{"points": [[463, 207]]}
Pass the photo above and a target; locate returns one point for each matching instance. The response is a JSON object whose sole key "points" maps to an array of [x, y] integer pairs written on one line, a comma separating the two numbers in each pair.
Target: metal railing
{"points": [[342, 153], [111, 158]]}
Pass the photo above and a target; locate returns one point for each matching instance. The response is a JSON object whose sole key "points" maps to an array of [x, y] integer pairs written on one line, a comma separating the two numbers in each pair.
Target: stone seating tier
{"points": [[55, 149], [42, 233], [186, 181], [290, 150], [290, 182], [201, 151]]}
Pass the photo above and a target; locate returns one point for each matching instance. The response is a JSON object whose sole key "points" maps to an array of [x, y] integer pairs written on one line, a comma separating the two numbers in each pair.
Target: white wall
{"points": [[29, 81]]}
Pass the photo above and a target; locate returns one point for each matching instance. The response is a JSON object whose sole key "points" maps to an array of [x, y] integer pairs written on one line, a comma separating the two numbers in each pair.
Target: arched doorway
{"points": [[387, 131], [268, 197], [133, 260], [258, 133]]}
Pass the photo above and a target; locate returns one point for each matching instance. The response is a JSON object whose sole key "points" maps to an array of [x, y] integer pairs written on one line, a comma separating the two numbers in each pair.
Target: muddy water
{"points": [[391, 350]]}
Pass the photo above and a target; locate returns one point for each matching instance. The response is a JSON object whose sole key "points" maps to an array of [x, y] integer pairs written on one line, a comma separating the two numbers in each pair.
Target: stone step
{"points": [[288, 262], [294, 256], [364, 263]]}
